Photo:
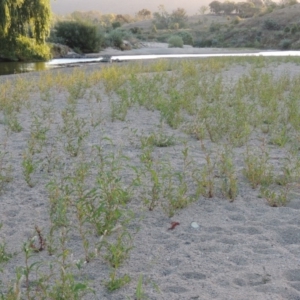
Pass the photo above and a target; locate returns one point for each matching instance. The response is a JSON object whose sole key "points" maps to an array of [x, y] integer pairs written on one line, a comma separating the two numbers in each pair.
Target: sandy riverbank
{"points": [[241, 250], [150, 48]]}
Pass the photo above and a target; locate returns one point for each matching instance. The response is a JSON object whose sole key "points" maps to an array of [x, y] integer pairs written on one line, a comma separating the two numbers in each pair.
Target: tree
{"points": [[144, 14], [161, 18], [121, 18], [179, 16], [245, 9], [203, 9], [107, 20], [228, 7], [257, 3], [215, 7], [25, 18], [23, 22]]}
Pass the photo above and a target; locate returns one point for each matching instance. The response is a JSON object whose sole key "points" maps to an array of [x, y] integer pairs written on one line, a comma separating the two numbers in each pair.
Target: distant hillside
{"points": [[125, 7], [279, 29], [275, 27]]}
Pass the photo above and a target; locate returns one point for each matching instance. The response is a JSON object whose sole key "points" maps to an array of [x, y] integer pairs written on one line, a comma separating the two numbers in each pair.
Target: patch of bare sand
{"points": [[151, 48]]}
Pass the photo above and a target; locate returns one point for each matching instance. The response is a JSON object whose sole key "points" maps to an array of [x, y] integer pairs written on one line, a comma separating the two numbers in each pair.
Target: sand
{"points": [[242, 250], [152, 48]]}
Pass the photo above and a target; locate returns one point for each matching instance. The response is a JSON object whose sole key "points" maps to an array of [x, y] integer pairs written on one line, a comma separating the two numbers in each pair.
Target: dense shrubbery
{"points": [[81, 36], [24, 49], [175, 41]]}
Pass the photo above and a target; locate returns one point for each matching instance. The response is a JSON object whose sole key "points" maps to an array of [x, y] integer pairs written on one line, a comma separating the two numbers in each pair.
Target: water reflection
{"points": [[7, 68]]}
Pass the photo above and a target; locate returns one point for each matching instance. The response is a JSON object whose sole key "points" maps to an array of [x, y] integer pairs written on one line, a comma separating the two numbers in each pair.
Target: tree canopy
{"points": [[25, 17], [24, 20], [144, 14], [163, 20]]}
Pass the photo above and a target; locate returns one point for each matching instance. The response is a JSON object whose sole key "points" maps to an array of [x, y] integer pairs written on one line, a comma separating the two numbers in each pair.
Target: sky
{"points": [[125, 7]]}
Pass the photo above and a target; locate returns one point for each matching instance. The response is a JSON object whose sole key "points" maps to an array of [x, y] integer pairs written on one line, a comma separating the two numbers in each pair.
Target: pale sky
{"points": [[125, 7]]}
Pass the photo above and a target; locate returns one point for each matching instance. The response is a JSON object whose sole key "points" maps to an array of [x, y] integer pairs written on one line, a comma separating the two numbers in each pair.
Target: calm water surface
{"points": [[7, 68]]}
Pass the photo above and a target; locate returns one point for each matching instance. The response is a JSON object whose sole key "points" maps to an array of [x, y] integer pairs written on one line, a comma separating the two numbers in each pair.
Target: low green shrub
{"points": [[285, 44], [186, 37], [115, 37], [175, 41], [115, 25]]}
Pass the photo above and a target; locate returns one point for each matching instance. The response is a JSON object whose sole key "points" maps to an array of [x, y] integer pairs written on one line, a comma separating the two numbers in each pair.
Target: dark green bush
{"points": [[186, 37], [82, 36], [271, 25], [202, 43], [214, 27], [115, 25], [53, 38], [136, 30]]}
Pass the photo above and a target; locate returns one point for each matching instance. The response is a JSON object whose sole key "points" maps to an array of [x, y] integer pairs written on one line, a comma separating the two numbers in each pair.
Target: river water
{"points": [[7, 68]]}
